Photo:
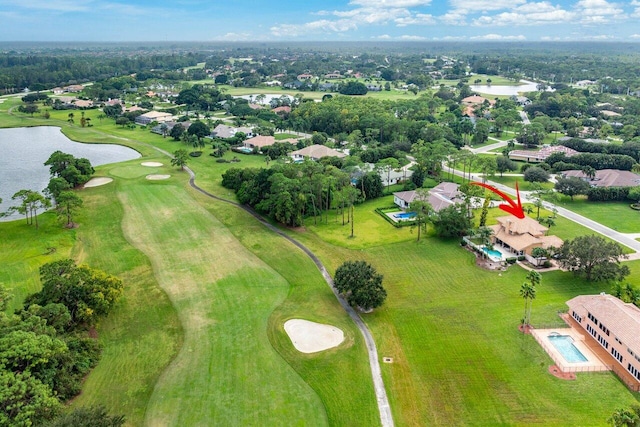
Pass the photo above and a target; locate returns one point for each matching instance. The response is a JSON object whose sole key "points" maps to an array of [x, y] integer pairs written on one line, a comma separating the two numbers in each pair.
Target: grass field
{"points": [[616, 215], [200, 325], [208, 289]]}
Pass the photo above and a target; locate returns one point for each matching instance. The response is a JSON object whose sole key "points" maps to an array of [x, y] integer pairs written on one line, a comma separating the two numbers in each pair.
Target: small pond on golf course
{"points": [[23, 152]]}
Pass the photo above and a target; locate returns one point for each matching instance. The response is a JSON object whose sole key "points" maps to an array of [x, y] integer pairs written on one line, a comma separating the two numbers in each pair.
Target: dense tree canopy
{"points": [[594, 258], [73, 170], [360, 284], [87, 293]]}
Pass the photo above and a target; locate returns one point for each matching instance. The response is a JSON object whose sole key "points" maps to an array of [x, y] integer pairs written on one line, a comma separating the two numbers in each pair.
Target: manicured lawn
{"points": [[523, 185], [208, 289], [616, 215], [200, 324], [459, 359]]}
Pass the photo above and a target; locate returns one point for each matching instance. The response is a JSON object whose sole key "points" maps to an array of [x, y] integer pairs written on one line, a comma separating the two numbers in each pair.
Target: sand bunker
{"points": [[311, 337], [96, 182], [158, 177], [151, 164]]}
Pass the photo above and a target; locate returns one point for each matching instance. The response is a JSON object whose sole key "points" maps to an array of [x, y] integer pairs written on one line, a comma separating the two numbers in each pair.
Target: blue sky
{"points": [[327, 20]]}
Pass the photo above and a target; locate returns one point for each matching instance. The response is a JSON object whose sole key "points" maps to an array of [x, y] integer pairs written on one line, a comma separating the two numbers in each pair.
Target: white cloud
{"points": [[598, 11], [412, 38], [498, 37], [634, 36], [314, 27], [382, 37], [454, 18], [601, 37], [417, 19], [234, 37], [484, 5], [528, 14]]}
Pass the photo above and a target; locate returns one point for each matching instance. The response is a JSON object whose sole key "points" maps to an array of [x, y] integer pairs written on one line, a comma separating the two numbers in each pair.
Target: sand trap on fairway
{"points": [[151, 164], [96, 182], [311, 337], [157, 177]]}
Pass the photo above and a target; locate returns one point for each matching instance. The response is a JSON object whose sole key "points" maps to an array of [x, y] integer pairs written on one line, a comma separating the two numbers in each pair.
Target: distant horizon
{"points": [[329, 21]]}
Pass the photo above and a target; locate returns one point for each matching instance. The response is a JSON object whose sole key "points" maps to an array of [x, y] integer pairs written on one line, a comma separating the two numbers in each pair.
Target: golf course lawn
{"points": [[198, 337]]}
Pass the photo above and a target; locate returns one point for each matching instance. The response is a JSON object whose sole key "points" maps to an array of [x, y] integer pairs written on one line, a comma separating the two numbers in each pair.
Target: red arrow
{"points": [[512, 208]]}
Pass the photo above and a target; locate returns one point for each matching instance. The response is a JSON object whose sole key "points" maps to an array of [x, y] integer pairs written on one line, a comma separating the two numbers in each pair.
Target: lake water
{"points": [[267, 97], [513, 90], [23, 152]]}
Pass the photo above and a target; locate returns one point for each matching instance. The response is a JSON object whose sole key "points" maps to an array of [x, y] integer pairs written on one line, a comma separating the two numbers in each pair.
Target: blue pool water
{"points": [[492, 253], [404, 215], [564, 345], [245, 150]]}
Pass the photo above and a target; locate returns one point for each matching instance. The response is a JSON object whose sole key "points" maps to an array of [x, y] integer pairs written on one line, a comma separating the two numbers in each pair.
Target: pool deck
{"points": [[593, 364], [598, 359], [394, 219]]}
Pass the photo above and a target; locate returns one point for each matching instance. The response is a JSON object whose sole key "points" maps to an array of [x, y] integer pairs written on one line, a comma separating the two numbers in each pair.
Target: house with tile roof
{"points": [[154, 116], [259, 142], [606, 178], [439, 197], [521, 236], [225, 131], [315, 152], [541, 155], [615, 325]]}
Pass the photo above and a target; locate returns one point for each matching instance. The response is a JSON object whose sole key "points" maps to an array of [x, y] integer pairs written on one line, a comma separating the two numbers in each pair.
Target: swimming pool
{"points": [[404, 215], [564, 345], [492, 253]]}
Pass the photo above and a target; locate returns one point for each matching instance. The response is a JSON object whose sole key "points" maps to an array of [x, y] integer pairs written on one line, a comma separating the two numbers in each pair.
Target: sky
{"points": [[326, 20]]}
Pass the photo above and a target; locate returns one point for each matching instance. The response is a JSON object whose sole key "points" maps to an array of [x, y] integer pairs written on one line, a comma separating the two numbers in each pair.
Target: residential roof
{"points": [[523, 233], [622, 319], [260, 141], [317, 151], [544, 152], [282, 109], [224, 131], [439, 197], [607, 178], [476, 99], [521, 226], [156, 115]]}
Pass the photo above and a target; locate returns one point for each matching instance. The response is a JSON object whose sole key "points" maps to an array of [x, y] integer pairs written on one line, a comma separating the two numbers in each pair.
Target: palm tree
{"points": [[528, 292], [589, 172]]}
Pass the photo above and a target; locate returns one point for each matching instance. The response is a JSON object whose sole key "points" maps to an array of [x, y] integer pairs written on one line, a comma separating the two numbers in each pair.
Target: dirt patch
{"points": [[556, 372], [151, 164], [312, 337], [96, 182], [525, 329], [157, 177]]}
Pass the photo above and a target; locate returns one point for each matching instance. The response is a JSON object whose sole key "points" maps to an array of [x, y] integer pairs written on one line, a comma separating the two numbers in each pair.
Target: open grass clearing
{"points": [[616, 215], [458, 358], [226, 355]]}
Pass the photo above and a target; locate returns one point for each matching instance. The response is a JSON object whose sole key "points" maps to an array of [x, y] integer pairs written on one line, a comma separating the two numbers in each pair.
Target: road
{"points": [[622, 238]]}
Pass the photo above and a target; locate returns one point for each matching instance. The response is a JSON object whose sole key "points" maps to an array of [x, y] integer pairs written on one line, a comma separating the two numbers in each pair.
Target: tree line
{"points": [[290, 192], [45, 350]]}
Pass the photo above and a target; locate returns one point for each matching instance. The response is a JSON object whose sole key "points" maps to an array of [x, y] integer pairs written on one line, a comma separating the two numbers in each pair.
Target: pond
{"points": [[512, 90], [24, 151], [268, 97]]}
